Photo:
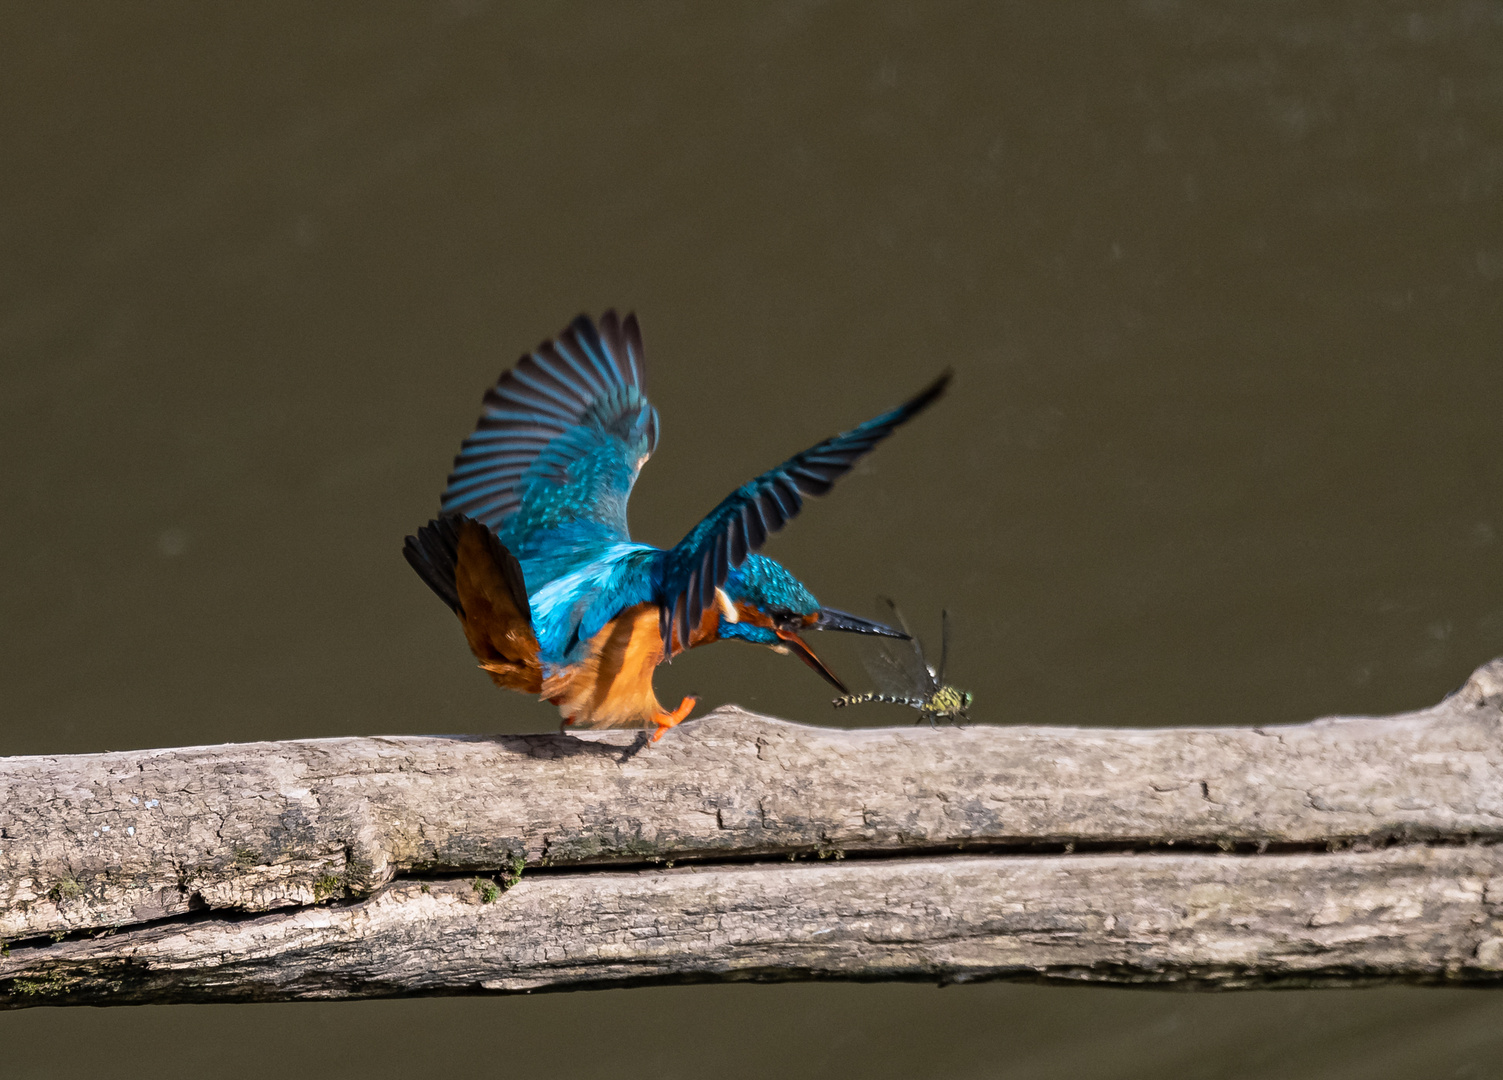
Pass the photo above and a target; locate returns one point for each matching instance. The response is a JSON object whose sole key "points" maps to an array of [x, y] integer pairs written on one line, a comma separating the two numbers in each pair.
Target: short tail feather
{"points": [[434, 554], [463, 561]]}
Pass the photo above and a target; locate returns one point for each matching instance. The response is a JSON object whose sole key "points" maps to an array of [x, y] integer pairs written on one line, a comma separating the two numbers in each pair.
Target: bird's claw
{"points": [[666, 720]]}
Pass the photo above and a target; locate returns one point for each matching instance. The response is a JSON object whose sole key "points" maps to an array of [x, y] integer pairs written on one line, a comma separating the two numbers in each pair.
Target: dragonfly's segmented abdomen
{"points": [[885, 699]]}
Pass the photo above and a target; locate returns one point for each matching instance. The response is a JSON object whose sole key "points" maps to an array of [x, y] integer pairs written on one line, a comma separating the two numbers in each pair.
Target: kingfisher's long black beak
{"points": [[791, 642], [830, 619]]}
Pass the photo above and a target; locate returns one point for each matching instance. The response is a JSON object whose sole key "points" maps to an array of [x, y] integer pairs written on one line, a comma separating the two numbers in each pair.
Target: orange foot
{"points": [[666, 720]]}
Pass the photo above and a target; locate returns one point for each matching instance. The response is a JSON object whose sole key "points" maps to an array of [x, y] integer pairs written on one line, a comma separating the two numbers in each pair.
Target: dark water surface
{"points": [[1222, 284]]}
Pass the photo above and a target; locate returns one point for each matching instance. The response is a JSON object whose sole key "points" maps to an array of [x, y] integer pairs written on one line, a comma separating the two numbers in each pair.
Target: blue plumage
{"points": [[765, 583], [548, 471], [560, 441], [570, 610], [702, 561]]}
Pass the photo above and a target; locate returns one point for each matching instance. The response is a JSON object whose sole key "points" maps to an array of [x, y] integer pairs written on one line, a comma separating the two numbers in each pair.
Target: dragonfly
{"points": [[905, 677]]}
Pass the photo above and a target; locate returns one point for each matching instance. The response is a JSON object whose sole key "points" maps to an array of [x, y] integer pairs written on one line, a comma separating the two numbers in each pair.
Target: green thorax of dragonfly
{"points": [[907, 678], [948, 703]]}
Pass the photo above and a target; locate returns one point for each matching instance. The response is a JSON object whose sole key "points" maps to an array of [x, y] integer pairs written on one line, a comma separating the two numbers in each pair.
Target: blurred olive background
{"points": [[1222, 284]]}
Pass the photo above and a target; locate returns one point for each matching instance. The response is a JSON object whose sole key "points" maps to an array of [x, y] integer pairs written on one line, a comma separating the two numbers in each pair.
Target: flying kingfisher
{"points": [[531, 548]]}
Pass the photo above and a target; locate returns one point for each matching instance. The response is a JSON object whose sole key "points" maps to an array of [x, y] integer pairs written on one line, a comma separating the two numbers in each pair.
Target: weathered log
{"points": [[1357, 849]]}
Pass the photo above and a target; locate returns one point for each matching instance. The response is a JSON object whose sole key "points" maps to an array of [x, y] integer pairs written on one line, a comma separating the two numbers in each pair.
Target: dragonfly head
{"points": [[764, 604]]}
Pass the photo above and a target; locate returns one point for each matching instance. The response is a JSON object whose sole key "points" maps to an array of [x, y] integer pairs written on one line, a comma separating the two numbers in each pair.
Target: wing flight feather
{"points": [[701, 561], [589, 376]]}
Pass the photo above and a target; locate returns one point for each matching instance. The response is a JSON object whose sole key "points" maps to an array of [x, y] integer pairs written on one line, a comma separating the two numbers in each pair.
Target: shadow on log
{"points": [[741, 847]]}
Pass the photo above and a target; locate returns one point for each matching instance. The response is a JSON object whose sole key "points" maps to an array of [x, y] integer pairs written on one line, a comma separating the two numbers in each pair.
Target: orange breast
{"points": [[612, 686]]}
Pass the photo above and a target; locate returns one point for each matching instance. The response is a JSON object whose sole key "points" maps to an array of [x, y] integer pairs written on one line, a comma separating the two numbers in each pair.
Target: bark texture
{"points": [[1342, 850]]}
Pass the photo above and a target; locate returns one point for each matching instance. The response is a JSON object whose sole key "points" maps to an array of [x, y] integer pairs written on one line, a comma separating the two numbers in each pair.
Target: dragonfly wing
{"points": [[906, 658], [944, 646], [890, 671]]}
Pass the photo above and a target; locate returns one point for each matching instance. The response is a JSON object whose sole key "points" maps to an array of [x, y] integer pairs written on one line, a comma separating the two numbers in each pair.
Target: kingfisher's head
{"points": [[766, 605]]}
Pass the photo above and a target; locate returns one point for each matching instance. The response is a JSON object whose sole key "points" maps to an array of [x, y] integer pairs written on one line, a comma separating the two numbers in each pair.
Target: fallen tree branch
{"points": [[1343, 850]]}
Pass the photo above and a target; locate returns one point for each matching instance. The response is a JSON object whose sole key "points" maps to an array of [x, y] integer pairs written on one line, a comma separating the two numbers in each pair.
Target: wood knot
{"points": [[1485, 687]]}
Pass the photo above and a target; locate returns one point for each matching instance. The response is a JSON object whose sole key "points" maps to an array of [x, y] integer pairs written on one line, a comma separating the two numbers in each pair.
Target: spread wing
{"points": [[701, 561], [560, 440]]}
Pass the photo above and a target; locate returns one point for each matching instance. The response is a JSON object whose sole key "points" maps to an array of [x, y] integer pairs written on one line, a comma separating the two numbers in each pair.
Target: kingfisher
{"points": [[531, 549]]}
